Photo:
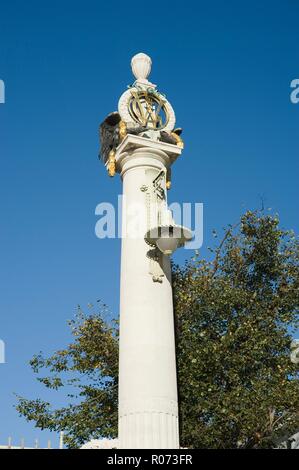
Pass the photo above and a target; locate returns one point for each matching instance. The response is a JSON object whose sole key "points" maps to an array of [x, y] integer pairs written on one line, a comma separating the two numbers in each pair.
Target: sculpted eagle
{"points": [[113, 130]]}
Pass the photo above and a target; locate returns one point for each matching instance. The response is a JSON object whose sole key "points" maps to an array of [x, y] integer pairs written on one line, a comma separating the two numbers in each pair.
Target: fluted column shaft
{"points": [[148, 409]]}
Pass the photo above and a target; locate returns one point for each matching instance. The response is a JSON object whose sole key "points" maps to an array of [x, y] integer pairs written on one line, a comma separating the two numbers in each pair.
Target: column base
{"points": [[148, 430]]}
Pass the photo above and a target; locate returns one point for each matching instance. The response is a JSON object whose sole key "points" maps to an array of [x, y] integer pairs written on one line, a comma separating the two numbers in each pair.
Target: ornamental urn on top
{"points": [[141, 65]]}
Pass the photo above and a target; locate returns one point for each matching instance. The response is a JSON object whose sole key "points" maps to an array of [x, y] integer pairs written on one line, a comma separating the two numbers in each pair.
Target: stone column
{"points": [[148, 407]]}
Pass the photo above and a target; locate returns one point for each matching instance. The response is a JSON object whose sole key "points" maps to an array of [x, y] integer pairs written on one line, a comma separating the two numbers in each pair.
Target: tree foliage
{"points": [[235, 315], [88, 370]]}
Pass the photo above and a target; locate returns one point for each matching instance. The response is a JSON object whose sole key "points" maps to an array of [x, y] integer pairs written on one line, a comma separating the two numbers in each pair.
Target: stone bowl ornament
{"points": [[141, 67], [168, 236]]}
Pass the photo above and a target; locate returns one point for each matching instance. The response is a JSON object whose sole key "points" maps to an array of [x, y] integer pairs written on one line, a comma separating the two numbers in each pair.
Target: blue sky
{"points": [[226, 67]]}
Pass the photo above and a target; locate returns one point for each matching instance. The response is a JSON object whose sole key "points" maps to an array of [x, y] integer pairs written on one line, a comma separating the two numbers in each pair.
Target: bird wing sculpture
{"points": [[109, 135], [112, 131]]}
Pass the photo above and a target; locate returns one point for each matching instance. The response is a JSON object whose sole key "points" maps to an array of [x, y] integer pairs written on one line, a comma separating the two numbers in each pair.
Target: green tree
{"points": [[235, 315], [87, 369]]}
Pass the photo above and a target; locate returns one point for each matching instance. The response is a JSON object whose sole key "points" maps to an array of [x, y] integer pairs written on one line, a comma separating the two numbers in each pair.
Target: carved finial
{"points": [[141, 67]]}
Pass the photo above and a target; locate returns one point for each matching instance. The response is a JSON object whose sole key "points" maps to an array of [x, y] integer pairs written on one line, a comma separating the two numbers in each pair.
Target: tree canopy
{"points": [[235, 315]]}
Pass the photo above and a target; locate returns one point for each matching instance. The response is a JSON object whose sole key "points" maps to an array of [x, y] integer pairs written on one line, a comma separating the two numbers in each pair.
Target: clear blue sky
{"points": [[226, 67]]}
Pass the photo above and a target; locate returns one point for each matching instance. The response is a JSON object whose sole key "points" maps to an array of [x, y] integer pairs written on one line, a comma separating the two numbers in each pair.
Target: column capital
{"points": [[140, 151]]}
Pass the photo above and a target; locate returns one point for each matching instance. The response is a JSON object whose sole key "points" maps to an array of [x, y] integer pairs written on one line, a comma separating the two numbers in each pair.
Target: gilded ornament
{"points": [[122, 130], [179, 140], [111, 165]]}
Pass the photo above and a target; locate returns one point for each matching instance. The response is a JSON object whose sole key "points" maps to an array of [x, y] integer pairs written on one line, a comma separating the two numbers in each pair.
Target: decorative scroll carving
{"points": [[155, 194], [159, 185]]}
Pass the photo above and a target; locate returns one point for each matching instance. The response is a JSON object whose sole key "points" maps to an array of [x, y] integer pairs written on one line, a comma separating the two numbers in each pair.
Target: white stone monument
{"points": [[141, 143]]}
